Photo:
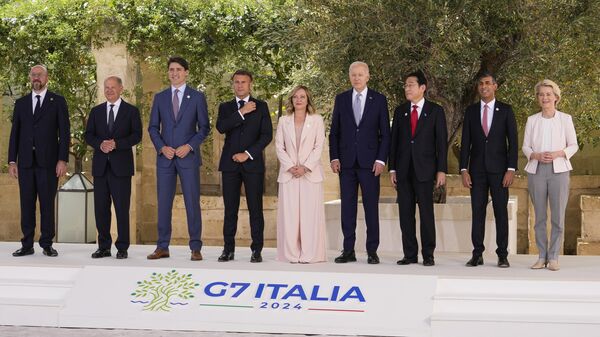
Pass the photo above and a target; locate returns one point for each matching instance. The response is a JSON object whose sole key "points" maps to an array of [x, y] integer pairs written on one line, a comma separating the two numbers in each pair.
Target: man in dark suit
{"points": [[418, 159], [113, 128], [488, 160], [358, 148], [247, 126], [37, 157], [178, 125]]}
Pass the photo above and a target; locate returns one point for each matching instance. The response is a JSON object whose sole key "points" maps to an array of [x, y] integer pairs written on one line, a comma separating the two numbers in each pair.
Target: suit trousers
{"points": [[253, 186], [547, 187], [350, 180], [37, 182], [109, 187], [190, 185], [410, 193], [483, 182]]}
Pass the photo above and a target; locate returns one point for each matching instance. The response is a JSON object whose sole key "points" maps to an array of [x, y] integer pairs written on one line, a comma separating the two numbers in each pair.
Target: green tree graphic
{"points": [[162, 288]]}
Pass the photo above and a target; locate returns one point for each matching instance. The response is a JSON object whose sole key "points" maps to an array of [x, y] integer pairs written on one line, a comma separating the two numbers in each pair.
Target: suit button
{"points": [[357, 130], [412, 141], [486, 141]]}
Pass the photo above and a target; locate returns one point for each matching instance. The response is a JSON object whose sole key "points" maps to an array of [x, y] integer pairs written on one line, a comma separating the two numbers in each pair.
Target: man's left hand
{"points": [[377, 168], [440, 179], [61, 168], [240, 157], [183, 151], [508, 178]]}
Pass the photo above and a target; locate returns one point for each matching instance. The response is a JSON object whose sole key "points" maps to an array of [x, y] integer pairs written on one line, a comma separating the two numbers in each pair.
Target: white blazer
{"points": [[563, 138], [307, 153]]}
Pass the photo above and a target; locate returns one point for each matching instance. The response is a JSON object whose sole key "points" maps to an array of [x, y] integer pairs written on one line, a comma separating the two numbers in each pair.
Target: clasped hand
{"points": [[298, 171], [108, 145]]}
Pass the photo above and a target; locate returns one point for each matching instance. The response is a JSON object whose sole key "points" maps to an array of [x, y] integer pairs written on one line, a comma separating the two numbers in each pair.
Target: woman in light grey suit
{"points": [[549, 142]]}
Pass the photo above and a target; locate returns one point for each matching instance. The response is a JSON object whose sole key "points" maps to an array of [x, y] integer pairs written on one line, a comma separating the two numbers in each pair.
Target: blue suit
{"points": [[191, 127], [358, 147]]}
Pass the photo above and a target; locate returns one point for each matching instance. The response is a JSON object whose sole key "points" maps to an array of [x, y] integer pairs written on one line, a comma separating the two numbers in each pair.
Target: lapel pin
{"points": [[425, 115], [405, 114], [52, 98], [188, 96], [497, 109]]}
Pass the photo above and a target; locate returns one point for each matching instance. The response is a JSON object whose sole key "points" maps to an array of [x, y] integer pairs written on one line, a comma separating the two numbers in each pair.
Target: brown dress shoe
{"points": [[158, 254], [196, 255]]}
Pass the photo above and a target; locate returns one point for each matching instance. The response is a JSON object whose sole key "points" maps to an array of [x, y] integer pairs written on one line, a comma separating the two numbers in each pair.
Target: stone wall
{"points": [[589, 242]]}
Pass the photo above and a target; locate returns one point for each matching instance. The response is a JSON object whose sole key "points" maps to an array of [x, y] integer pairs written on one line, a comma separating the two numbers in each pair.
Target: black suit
{"points": [[487, 160], [113, 171], [251, 133], [36, 149], [416, 161]]}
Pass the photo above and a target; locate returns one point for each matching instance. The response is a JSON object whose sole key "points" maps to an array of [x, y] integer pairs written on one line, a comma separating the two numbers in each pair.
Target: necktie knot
{"points": [[241, 103], [38, 97]]}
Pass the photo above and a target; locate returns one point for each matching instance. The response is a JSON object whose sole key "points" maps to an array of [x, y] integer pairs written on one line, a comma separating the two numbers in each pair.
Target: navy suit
{"points": [[252, 134], [487, 158], [191, 127], [113, 171], [416, 160], [357, 147], [36, 149]]}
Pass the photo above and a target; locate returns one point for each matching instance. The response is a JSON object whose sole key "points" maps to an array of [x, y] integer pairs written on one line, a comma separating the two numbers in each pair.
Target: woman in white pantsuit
{"points": [[300, 210], [549, 142]]}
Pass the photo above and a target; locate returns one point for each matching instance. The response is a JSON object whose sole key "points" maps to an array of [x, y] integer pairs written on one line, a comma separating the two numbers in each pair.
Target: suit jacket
{"points": [[191, 127], [127, 132], [307, 153], [40, 131], [363, 143], [427, 150], [251, 133], [496, 152], [563, 138]]}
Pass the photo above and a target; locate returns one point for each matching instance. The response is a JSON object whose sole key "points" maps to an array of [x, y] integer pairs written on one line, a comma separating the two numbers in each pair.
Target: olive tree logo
{"points": [[158, 292]]}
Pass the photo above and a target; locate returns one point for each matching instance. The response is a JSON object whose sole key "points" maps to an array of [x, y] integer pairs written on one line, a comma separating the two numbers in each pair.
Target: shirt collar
{"points": [[117, 103], [419, 104], [42, 94], [363, 92], [491, 104], [181, 89], [245, 99]]}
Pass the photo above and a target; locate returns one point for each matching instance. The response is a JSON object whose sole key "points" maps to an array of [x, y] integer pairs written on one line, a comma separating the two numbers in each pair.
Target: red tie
{"points": [[414, 117]]}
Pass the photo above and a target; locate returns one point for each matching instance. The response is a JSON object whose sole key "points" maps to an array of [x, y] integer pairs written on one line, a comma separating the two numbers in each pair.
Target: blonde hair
{"points": [[550, 84], [310, 109]]}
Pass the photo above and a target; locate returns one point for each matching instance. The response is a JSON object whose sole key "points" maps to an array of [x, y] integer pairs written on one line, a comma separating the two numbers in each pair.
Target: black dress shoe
{"points": [[226, 256], [475, 261], [121, 254], [372, 258], [428, 261], [49, 251], [346, 256], [503, 262], [23, 251], [256, 257], [405, 260], [99, 253]]}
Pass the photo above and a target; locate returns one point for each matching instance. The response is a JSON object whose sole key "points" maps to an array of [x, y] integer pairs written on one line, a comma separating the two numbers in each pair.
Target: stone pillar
{"points": [[589, 242]]}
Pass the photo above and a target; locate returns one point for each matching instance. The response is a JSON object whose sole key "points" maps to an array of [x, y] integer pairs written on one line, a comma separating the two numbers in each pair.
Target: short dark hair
{"points": [[486, 73], [180, 60], [421, 80], [242, 72]]}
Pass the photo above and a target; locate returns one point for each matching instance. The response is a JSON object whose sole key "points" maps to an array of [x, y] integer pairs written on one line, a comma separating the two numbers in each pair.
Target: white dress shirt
{"points": [[115, 109], [34, 99]]}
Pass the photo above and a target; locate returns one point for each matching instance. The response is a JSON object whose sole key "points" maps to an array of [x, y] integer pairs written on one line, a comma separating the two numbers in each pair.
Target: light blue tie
{"points": [[357, 108]]}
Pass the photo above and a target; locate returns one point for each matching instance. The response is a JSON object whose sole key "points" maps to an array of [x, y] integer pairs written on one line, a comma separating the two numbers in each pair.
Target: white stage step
{"points": [[448, 300], [493, 307]]}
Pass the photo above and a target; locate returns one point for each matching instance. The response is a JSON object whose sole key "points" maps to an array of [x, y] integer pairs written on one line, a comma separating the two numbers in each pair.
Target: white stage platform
{"points": [[446, 300]]}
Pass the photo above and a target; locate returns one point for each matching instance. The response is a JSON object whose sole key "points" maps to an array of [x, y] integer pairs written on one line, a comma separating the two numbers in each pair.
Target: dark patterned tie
{"points": [[38, 105], [111, 119]]}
